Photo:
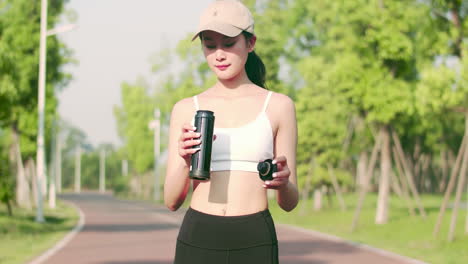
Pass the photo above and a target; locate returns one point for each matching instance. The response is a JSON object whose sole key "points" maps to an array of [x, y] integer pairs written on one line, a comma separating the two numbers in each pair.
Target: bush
{"points": [[120, 185]]}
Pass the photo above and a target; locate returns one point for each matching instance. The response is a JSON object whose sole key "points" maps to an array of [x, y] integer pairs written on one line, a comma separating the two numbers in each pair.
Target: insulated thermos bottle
{"points": [[201, 160]]}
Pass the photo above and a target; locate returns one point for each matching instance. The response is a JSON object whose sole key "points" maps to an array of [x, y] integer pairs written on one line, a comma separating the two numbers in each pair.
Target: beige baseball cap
{"points": [[228, 17]]}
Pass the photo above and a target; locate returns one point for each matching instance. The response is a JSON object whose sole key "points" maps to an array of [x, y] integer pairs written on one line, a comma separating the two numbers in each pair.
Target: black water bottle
{"points": [[201, 160]]}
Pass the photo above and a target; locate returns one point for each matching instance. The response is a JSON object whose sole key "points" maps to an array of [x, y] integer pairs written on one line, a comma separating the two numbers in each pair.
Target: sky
{"points": [[113, 43]]}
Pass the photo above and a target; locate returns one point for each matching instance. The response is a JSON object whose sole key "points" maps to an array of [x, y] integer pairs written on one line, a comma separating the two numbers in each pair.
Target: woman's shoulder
{"points": [[184, 107], [282, 111], [185, 102], [281, 101]]}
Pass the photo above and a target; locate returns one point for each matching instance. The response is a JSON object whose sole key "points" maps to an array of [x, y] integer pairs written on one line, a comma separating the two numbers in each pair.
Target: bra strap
{"points": [[266, 101], [195, 101]]}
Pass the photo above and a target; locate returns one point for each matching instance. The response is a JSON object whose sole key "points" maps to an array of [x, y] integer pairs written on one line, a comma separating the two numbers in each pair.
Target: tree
{"points": [[19, 44], [132, 121], [271, 27], [6, 182], [73, 138], [444, 86], [357, 62]]}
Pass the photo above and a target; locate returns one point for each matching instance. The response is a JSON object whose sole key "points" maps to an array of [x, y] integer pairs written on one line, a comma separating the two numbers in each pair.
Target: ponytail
{"points": [[254, 66]]}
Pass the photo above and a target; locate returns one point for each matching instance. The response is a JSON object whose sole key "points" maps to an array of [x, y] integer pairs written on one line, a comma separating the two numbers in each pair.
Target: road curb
{"points": [[59, 245], [354, 244]]}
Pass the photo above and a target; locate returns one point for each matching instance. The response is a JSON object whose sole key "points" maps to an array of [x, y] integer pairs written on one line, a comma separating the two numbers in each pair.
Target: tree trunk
{"points": [[22, 189], [384, 182], [395, 185], [31, 169], [444, 165], [318, 199], [361, 170], [417, 149], [460, 187], [450, 186], [336, 186], [369, 173], [451, 158], [402, 179], [422, 167], [347, 141], [427, 183], [417, 171], [408, 173]]}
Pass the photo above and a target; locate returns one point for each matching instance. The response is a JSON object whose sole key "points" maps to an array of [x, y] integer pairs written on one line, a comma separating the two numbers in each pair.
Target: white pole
{"points": [[124, 168], [157, 114], [40, 169], [52, 171], [102, 171], [58, 163], [78, 170]]}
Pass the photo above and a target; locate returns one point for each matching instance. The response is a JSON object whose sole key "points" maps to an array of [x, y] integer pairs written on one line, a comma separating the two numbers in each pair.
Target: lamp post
{"points": [[58, 162], [53, 171], [78, 169], [124, 168], [40, 155], [102, 171]]}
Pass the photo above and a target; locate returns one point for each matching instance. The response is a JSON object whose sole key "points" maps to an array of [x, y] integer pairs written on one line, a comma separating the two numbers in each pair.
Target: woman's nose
{"points": [[220, 55]]}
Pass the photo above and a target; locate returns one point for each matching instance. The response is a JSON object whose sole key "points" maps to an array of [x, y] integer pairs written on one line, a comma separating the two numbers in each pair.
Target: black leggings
{"points": [[245, 239]]}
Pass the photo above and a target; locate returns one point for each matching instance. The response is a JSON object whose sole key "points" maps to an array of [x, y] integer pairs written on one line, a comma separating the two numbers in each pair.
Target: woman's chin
{"points": [[226, 76]]}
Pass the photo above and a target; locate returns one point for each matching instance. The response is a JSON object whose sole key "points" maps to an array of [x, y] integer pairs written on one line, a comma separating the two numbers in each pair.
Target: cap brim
{"points": [[222, 28]]}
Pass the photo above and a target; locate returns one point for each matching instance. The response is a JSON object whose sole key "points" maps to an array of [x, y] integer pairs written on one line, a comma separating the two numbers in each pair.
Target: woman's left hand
{"points": [[281, 177]]}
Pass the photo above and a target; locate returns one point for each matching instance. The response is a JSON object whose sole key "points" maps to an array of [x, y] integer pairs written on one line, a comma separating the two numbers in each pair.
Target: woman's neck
{"points": [[237, 86]]}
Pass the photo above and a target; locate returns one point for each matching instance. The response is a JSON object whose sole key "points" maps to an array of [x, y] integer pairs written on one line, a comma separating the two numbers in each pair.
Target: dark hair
{"points": [[254, 66]]}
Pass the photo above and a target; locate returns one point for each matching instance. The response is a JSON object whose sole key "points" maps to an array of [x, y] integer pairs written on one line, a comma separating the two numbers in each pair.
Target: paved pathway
{"points": [[121, 232]]}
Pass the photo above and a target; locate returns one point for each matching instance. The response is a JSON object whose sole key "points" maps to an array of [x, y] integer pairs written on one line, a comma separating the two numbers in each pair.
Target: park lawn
{"points": [[403, 234], [22, 239]]}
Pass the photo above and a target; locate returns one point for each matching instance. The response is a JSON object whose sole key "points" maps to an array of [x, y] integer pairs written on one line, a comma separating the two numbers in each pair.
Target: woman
{"points": [[228, 220]]}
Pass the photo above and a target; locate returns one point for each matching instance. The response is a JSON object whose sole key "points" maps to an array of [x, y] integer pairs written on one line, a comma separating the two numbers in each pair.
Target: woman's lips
{"points": [[222, 67]]}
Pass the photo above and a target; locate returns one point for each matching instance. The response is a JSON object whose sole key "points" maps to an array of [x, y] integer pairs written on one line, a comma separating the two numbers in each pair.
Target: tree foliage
{"points": [[352, 68], [19, 64]]}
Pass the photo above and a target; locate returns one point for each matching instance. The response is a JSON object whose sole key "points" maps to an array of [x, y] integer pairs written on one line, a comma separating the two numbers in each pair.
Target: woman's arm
{"points": [[177, 182], [285, 181]]}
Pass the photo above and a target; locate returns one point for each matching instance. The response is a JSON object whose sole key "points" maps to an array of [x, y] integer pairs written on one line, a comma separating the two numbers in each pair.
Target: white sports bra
{"points": [[241, 148]]}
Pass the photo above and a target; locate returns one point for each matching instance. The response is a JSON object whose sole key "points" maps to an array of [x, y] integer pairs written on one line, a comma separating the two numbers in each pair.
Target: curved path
{"points": [[133, 232]]}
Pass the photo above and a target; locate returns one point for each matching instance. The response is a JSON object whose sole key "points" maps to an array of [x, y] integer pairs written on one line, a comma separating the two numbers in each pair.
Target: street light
{"points": [[40, 169], [102, 171]]}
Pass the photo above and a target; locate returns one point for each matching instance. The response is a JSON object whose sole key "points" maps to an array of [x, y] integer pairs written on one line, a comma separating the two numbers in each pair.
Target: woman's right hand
{"points": [[187, 140]]}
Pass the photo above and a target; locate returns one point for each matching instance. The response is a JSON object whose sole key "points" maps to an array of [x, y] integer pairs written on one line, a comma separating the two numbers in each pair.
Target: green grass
{"points": [[22, 239], [403, 234]]}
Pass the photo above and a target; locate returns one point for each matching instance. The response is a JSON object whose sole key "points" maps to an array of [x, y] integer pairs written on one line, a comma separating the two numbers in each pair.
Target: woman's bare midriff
{"points": [[230, 193]]}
